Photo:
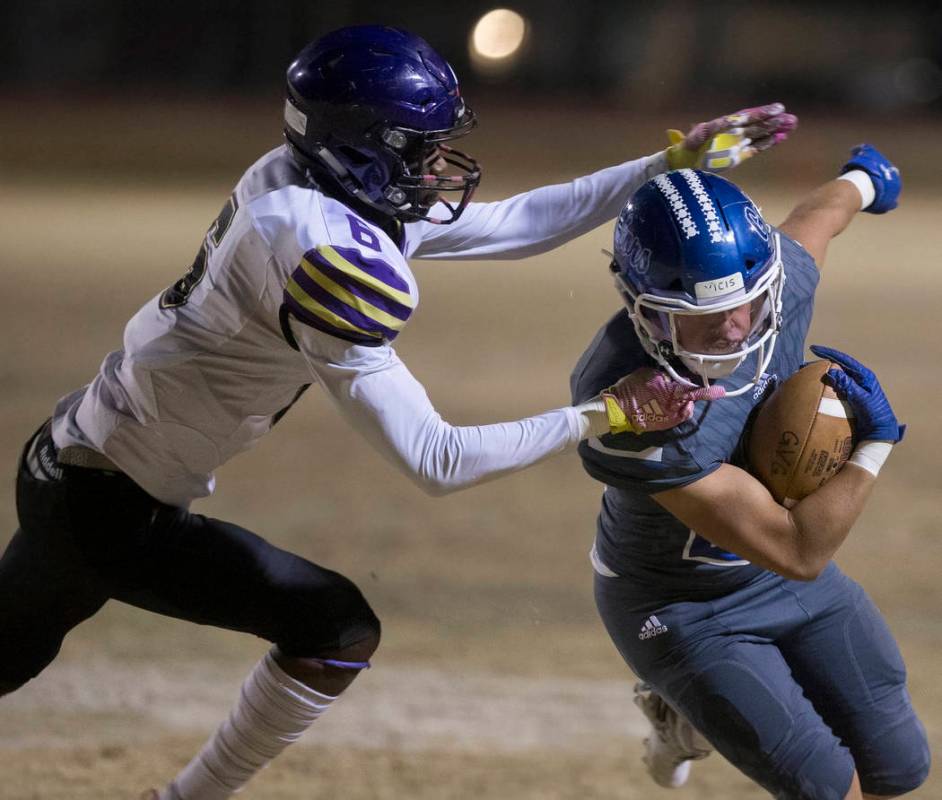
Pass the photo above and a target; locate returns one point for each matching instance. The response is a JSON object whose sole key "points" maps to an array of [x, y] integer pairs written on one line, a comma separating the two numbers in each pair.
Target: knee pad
{"points": [[362, 637], [337, 623], [806, 764], [358, 628], [900, 761], [783, 746]]}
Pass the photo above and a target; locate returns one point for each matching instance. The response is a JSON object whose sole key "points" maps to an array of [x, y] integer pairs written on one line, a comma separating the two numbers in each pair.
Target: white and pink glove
{"points": [[727, 141], [648, 400]]}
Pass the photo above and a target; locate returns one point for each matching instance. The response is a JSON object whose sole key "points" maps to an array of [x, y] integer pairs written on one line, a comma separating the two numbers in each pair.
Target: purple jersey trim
{"points": [[378, 268], [324, 298], [352, 285], [303, 315]]}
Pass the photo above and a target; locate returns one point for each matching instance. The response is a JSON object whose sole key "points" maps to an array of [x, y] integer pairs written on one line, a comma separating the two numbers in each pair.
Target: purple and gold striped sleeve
{"points": [[341, 292]]}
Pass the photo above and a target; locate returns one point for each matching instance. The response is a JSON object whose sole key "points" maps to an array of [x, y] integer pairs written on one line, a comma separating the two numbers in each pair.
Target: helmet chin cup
{"points": [[706, 368], [711, 369]]}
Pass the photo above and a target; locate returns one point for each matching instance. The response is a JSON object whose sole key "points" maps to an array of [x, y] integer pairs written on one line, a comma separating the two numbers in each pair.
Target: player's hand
{"points": [[648, 400], [725, 142], [884, 175], [875, 420]]}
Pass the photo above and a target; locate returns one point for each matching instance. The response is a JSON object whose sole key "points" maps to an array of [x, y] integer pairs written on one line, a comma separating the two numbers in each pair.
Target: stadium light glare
{"points": [[497, 36]]}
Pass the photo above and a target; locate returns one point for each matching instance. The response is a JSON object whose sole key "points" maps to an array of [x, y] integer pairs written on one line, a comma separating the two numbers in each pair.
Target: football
{"points": [[801, 436]]}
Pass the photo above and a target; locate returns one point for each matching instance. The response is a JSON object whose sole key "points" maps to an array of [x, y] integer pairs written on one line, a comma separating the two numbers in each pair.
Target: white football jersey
{"points": [[292, 288]]}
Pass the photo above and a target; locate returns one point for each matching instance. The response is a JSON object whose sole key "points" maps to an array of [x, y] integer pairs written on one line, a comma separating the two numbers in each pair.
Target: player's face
{"points": [[432, 164], [715, 334]]}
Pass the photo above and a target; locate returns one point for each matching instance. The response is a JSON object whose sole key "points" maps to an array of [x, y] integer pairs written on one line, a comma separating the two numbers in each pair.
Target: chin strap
{"points": [[342, 174], [339, 170]]}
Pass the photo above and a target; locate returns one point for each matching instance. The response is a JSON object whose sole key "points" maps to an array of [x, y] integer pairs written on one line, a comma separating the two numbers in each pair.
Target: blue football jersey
{"points": [[636, 537]]}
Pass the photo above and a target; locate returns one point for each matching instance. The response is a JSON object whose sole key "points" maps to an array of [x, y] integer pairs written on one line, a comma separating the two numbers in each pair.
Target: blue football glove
{"points": [[885, 176], [875, 420]]}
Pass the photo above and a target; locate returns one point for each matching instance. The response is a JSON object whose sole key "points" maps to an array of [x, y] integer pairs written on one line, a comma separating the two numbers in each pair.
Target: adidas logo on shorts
{"points": [[652, 627]]}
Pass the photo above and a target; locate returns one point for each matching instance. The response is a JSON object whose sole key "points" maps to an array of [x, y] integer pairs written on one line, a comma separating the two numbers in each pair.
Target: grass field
{"points": [[495, 678]]}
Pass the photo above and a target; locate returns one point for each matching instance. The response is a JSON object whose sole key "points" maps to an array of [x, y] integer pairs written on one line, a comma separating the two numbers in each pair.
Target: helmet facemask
{"points": [[655, 319], [422, 182]]}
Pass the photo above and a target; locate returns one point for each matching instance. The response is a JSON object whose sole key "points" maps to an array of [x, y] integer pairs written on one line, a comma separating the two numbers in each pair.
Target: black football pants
{"points": [[95, 535]]}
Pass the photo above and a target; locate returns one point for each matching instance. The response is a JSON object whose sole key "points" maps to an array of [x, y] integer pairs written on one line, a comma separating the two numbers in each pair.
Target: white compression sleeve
{"points": [[539, 220], [593, 418], [382, 400], [272, 712]]}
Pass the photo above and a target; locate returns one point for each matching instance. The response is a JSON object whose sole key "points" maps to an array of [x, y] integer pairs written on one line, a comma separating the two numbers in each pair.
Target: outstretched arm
{"points": [[381, 399], [869, 182], [539, 220], [821, 216], [383, 402]]}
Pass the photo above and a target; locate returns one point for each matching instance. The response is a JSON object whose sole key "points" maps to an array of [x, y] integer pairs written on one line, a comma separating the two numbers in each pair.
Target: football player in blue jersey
{"points": [[726, 604], [303, 278]]}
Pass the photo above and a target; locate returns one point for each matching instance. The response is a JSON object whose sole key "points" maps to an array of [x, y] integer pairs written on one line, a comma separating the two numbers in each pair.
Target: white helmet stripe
{"points": [[710, 214], [678, 206]]}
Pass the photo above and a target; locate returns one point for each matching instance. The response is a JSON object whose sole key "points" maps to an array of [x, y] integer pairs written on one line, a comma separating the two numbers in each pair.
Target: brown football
{"points": [[801, 435]]}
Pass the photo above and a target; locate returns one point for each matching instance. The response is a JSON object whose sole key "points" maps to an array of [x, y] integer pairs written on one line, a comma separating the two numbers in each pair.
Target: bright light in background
{"points": [[496, 38]]}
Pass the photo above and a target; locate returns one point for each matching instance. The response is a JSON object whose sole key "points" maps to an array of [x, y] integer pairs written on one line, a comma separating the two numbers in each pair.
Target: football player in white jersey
{"points": [[302, 278]]}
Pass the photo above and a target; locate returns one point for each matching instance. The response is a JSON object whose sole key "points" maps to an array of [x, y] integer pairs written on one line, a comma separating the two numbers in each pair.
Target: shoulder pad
{"points": [[346, 294]]}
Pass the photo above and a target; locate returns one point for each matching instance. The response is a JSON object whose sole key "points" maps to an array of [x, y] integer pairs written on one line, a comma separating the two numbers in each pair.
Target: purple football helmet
{"points": [[372, 106]]}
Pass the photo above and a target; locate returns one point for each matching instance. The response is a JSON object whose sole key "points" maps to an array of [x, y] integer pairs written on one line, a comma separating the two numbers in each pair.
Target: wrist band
{"points": [[870, 456], [618, 420], [864, 185], [592, 418], [603, 415]]}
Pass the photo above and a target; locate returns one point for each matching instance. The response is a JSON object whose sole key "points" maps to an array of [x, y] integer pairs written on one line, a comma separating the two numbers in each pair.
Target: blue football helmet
{"points": [[691, 243], [371, 106]]}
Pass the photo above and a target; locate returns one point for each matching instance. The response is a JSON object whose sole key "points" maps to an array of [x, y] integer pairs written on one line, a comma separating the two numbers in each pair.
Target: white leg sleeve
{"points": [[273, 711]]}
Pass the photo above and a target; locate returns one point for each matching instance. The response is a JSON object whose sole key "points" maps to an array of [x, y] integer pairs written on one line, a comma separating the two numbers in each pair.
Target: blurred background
{"points": [[123, 127], [869, 58], [64, 65]]}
